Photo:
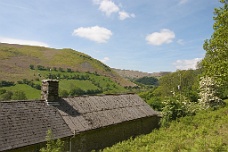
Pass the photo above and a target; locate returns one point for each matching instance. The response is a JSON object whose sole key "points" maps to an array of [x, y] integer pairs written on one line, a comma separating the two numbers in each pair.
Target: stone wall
{"points": [[108, 136]]}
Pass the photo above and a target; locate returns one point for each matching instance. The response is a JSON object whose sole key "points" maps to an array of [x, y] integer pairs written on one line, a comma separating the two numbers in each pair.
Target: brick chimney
{"points": [[49, 91]]}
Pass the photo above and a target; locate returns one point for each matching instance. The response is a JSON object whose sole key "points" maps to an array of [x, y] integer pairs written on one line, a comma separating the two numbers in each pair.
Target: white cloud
{"points": [[124, 15], [182, 2], [95, 33], [159, 38], [186, 64], [105, 59], [107, 6], [22, 42], [180, 41]]}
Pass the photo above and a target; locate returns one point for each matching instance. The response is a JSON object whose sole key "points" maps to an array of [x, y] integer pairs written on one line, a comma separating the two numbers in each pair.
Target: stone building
{"points": [[84, 123]]}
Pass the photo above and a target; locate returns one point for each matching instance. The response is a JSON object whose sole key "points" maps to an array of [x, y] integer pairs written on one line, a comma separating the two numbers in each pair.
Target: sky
{"points": [[143, 35]]}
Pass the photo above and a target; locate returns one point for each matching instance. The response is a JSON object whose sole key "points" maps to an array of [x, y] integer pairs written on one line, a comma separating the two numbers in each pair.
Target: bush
{"points": [[76, 91], [6, 95], [19, 95], [176, 107], [31, 67], [52, 145], [63, 93], [4, 83], [156, 103]]}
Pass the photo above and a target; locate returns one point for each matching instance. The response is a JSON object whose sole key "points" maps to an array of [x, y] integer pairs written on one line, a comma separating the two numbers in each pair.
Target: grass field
{"points": [[207, 131], [88, 82], [30, 92]]}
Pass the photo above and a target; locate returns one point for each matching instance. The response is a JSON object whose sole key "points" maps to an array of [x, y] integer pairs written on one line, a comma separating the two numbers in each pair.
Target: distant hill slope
{"points": [[16, 60], [138, 74]]}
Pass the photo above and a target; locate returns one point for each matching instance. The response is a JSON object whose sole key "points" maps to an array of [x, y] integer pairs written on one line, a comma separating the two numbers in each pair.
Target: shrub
{"points": [[176, 107], [31, 67], [6, 96], [63, 93], [76, 91], [19, 95], [52, 145], [156, 103], [4, 83]]}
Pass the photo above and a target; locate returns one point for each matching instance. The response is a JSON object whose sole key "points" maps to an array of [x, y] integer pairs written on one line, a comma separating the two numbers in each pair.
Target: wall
{"points": [[37, 147], [104, 137]]}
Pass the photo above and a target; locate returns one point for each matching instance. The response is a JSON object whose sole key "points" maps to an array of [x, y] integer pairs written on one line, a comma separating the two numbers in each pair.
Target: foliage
{"points": [[205, 131], [87, 83], [32, 67], [52, 145], [9, 95], [30, 93], [5, 83], [5, 95], [176, 107], [156, 103], [19, 95], [147, 80], [215, 62], [209, 93], [187, 80]]}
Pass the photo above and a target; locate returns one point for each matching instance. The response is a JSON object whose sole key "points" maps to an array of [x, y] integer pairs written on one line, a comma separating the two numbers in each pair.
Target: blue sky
{"points": [[143, 35]]}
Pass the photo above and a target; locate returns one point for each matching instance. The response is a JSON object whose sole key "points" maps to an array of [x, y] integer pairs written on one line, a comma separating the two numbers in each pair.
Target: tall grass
{"points": [[207, 131]]}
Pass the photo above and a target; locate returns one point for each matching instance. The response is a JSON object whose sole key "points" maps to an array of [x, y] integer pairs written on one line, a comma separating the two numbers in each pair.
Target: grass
{"points": [[207, 131], [82, 84], [67, 82], [30, 92], [16, 59]]}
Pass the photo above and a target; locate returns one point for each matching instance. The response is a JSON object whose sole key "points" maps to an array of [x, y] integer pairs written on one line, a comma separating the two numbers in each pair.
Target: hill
{"points": [[131, 74], [16, 62]]}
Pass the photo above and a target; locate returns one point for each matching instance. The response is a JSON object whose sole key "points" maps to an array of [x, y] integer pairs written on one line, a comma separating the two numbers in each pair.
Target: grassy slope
{"points": [[30, 92], [94, 82], [207, 131], [15, 61]]}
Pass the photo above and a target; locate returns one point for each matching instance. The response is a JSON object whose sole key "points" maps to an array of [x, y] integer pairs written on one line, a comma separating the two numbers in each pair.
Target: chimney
{"points": [[49, 91]]}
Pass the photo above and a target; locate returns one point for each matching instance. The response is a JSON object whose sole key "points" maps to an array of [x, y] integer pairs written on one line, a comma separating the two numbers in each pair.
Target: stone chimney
{"points": [[49, 91]]}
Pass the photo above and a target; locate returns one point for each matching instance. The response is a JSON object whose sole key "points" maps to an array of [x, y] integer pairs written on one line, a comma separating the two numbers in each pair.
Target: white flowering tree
{"points": [[208, 93]]}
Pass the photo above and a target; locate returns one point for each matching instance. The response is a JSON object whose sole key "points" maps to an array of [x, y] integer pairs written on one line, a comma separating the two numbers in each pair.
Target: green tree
{"points": [[31, 66], [147, 80], [52, 145], [215, 62], [5, 95], [19, 95]]}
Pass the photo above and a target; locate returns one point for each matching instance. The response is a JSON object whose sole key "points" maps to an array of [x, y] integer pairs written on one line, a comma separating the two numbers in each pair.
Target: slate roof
{"points": [[24, 123], [90, 112]]}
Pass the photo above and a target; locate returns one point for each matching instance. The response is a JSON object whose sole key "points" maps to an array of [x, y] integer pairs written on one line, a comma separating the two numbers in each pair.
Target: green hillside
{"points": [[16, 59], [207, 131], [23, 68]]}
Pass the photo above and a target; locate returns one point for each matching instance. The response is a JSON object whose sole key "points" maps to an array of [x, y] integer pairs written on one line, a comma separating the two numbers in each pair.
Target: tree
{"points": [[147, 80], [31, 66], [52, 145], [19, 95], [208, 94], [215, 62], [5, 95]]}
